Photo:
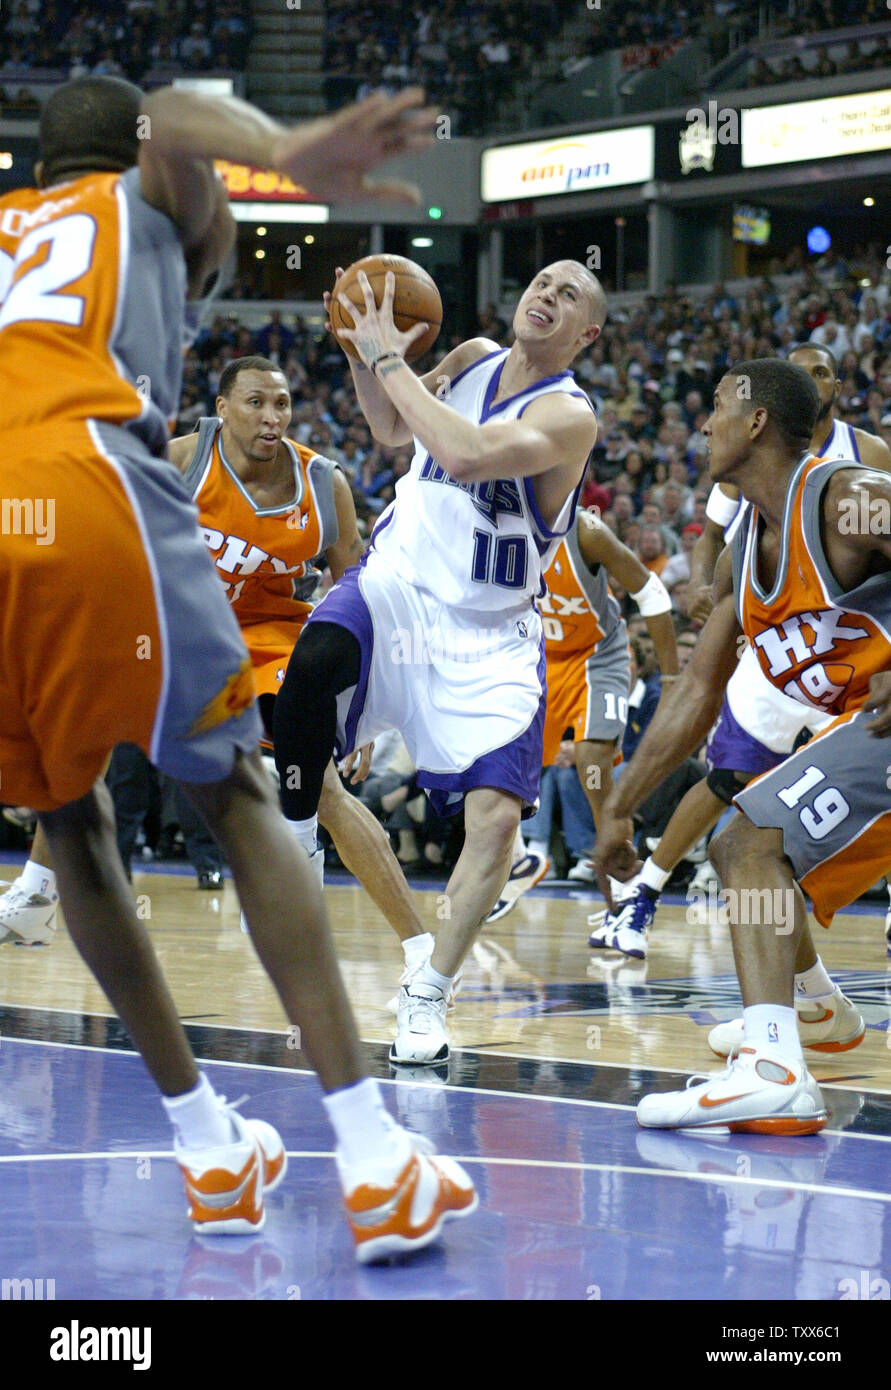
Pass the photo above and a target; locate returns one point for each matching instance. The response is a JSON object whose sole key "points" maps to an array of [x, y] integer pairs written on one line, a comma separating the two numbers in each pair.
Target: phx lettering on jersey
{"points": [[491, 498], [232, 556], [800, 638]]}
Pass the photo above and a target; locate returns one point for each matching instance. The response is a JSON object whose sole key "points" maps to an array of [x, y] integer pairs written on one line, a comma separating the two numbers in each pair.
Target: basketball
{"points": [[415, 300]]}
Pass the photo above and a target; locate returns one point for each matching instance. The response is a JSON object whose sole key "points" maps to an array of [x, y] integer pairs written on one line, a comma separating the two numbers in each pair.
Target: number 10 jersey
{"points": [[476, 546]]}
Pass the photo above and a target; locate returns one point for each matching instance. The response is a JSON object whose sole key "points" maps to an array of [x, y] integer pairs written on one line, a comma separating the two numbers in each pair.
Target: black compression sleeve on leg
{"points": [[325, 661]]}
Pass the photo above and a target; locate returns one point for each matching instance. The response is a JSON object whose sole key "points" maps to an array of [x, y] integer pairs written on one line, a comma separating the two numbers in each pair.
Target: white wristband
{"points": [[652, 598], [720, 508]]}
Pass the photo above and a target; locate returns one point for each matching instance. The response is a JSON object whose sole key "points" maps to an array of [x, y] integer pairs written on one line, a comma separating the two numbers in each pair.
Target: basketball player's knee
{"points": [[740, 846], [498, 829]]}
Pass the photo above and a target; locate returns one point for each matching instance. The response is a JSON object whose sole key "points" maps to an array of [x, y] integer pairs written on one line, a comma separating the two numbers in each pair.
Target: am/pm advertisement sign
{"points": [[821, 129], [568, 164]]}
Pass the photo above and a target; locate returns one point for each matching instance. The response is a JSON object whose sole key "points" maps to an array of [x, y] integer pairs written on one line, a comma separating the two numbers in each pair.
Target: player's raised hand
{"points": [[333, 156], [878, 702], [375, 332]]}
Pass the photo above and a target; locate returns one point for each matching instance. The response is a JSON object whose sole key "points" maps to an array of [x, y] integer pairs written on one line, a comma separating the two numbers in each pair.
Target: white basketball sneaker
{"points": [[226, 1185], [418, 951], [421, 1037], [756, 1094], [27, 919], [829, 1024], [888, 924], [400, 1205], [602, 922]]}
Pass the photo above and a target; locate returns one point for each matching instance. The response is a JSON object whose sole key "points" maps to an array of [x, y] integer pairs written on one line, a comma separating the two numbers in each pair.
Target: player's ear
{"points": [[220, 401], [38, 174]]}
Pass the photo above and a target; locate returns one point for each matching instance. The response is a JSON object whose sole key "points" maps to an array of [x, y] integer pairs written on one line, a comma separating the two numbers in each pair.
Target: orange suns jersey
{"points": [[262, 553], [578, 610], [93, 285], [813, 641]]}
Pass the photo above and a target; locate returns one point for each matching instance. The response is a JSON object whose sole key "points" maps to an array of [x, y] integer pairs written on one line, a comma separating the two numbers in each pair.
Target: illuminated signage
{"points": [[816, 129], [569, 164], [259, 185]]}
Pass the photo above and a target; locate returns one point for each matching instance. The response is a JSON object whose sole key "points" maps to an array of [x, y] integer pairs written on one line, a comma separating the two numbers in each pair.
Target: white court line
{"points": [[820, 1189], [425, 1085]]}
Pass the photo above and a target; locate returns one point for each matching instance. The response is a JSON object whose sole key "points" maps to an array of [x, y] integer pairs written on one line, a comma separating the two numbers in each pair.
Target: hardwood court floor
{"points": [[532, 988]]}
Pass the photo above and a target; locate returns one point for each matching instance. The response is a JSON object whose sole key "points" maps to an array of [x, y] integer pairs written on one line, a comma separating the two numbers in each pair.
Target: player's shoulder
{"points": [[181, 451], [464, 356], [874, 452]]}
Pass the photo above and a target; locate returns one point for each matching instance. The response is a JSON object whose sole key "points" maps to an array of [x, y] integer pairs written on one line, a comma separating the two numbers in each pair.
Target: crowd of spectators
{"points": [[858, 56], [109, 38], [465, 53]]}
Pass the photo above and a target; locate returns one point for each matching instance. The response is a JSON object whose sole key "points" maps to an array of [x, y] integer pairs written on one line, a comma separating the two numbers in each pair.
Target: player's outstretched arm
{"points": [[600, 546], [331, 157], [682, 719]]}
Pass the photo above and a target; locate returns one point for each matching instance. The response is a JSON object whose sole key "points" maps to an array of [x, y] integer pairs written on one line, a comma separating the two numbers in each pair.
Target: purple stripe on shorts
{"points": [[345, 606], [731, 749], [516, 767]]}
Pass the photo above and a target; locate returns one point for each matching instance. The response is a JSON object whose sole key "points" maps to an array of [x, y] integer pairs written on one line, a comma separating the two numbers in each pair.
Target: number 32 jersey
{"points": [[92, 286], [480, 546]]}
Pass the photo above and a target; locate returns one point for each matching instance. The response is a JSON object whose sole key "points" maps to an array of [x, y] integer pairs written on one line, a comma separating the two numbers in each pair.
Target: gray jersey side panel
{"points": [[320, 472], [148, 336], [206, 429]]}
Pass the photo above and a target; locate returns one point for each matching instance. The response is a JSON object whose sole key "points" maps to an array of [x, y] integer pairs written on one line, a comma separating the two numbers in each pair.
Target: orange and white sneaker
{"points": [[399, 1206], [758, 1093], [226, 1185], [829, 1024]]}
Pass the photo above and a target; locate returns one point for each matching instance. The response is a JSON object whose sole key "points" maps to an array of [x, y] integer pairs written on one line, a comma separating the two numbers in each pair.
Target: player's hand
{"points": [[375, 332], [364, 756], [699, 604], [614, 853], [878, 702], [328, 296], [331, 157]]}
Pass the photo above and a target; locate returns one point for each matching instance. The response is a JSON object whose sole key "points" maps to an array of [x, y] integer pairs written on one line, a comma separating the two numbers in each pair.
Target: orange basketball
{"points": [[415, 300]]}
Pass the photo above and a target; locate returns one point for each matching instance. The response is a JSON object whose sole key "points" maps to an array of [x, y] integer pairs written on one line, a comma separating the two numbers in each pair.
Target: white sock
{"points": [[772, 1028], [365, 1130], [814, 983], [653, 876], [428, 976], [307, 832], [198, 1118], [36, 878], [414, 948], [519, 847], [537, 847]]}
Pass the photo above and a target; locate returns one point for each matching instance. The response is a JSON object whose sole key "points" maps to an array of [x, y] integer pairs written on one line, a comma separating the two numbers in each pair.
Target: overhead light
{"points": [[261, 231], [869, 202], [260, 254], [296, 213], [5, 159], [308, 240], [422, 241], [435, 213], [865, 283]]}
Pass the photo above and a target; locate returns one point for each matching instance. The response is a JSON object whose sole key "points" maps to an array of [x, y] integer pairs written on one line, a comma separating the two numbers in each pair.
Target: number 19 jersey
{"points": [[478, 546]]}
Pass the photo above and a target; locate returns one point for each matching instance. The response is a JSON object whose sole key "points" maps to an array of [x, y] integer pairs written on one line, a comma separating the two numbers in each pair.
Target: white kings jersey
{"points": [[480, 546]]}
